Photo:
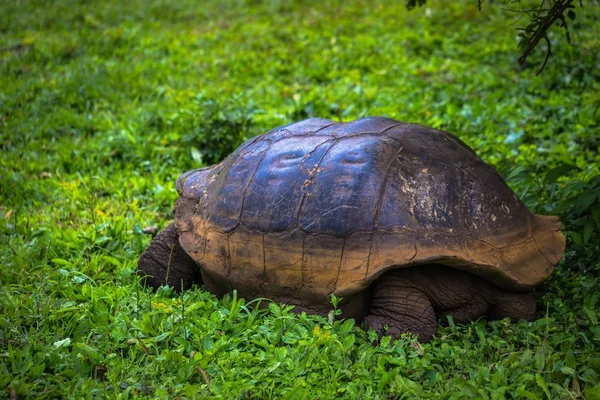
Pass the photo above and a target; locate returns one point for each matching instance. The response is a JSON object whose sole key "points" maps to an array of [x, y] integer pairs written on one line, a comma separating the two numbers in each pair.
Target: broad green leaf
{"points": [[385, 341], [590, 376], [576, 237], [349, 342], [539, 379], [589, 306], [90, 352], [556, 172], [540, 359], [527, 394], [346, 326], [588, 230], [408, 385], [585, 200], [112, 260], [568, 371], [196, 155], [592, 393], [595, 211], [61, 343], [275, 309], [281, 353], [162, 336]]}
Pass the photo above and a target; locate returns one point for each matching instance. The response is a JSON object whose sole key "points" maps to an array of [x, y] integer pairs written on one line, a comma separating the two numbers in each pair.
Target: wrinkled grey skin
{"points": [[165, 263], [413, 299], [405, 300]]}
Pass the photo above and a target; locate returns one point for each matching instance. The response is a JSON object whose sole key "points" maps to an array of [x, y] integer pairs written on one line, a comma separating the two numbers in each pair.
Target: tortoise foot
{"points": [[400, 307]]}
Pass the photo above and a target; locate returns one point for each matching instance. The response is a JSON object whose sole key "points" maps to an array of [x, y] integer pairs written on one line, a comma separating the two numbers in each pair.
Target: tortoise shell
{"points": [[318, 208]]}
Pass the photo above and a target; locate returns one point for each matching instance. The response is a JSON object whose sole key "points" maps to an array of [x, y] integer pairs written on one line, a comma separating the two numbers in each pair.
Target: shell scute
{"points": [[227, 186], [284, 261], [271, 202], [345, 192], [490, 209]]}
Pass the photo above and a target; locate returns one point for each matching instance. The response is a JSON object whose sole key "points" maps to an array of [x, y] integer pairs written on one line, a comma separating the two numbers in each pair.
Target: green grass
{"points": [[103, 104]]}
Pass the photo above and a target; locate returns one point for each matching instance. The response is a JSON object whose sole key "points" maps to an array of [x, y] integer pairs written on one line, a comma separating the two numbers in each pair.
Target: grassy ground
{"points": [[103, 104]]}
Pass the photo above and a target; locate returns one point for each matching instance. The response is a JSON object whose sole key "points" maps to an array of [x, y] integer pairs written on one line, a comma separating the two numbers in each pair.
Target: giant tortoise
{"points": [[405, 223]]}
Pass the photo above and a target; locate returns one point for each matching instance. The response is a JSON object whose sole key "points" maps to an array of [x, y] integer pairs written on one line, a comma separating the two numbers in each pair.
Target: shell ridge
{"points": [[337, 279], [315, 149], [311, 179], [324, 127], [228, 260], [303, 266], [391, 127], [262, 158], [368, 266], [226, 165], [537, 246], [264, 265], [383, 185], [414, 243], [553, 227], [430, 157], [207, 209], [291, 229], [461, 209]]}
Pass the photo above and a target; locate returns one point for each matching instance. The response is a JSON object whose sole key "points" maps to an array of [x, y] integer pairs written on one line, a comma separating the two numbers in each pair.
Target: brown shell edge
{"points": [[519, 266]]}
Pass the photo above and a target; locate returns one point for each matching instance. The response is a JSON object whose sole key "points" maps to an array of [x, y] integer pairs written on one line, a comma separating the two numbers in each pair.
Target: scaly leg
{"points": [[402, 306], [164, 262]]}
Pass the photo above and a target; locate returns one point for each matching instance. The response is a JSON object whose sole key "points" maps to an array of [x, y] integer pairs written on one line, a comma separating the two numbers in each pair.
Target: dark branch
{"points": [[543, 24], [548, 54]]}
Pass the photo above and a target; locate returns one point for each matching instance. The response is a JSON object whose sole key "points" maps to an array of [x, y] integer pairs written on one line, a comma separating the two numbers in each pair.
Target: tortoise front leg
{"points": [[400, 305], [513, 305], [165, 262]]}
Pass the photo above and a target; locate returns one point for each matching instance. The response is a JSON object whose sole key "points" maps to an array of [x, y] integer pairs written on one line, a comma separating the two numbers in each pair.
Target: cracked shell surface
{"points": [[319, 207]]}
